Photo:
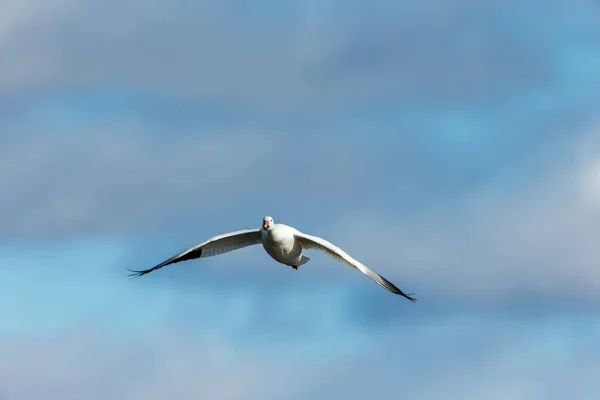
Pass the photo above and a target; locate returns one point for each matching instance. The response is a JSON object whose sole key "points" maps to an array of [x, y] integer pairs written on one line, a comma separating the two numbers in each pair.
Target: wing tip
{"points": [[394, 289], [401, 293], [135, 273], [408, 296]]}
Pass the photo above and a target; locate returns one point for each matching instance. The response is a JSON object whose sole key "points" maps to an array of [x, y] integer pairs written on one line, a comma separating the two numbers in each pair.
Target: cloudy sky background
{"points": [[454, 148]]}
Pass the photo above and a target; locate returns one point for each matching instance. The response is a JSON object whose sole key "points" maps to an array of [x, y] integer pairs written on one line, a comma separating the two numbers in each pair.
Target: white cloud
{"points": [[69, 184], [312, 57], [472, 357], [536, 239], [119, 180], [590, 183], [86, 365]]}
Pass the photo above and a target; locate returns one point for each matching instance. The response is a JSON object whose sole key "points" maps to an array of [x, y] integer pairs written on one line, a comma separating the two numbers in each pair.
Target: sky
{"points": [[454, 148]]}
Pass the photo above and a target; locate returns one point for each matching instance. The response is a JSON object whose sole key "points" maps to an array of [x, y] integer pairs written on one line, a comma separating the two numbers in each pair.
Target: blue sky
{"points": [[453, 148]]}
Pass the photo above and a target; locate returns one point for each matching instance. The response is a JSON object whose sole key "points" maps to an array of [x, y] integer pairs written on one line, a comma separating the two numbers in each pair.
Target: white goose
{"points": [[283, 243]]}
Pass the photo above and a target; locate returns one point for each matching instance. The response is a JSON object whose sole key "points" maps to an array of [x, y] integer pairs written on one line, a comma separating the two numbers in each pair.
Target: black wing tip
{"points": [[401, 293], [392, 288], [408, 296], [135, 273]]}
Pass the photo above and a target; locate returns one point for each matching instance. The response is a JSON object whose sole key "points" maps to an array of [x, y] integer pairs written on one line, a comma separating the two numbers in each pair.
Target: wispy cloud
{"points": [[533, 358], [314, 57], [528, 239]]}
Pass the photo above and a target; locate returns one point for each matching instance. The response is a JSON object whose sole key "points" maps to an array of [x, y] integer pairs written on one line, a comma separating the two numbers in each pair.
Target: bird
{"points": [[283, 243]]}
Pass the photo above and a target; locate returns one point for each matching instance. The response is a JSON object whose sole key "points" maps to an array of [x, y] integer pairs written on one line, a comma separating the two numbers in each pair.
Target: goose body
{"points": [[279, 241]]}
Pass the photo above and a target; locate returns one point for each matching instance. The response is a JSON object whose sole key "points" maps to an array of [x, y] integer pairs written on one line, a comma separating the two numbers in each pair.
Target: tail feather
{"points": [[304, 260]]}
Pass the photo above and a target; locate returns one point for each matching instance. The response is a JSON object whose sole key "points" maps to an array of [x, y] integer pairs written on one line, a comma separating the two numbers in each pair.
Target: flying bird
{"points": [[282, 242]]}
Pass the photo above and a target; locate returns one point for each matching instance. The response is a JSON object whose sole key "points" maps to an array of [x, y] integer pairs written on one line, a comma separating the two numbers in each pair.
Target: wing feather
{"points": [[212, 247], [317, 243]]}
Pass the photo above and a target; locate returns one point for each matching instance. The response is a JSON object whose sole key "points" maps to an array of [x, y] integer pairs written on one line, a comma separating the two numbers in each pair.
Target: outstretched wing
{"points": [[214, 246], [315, 242]]}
